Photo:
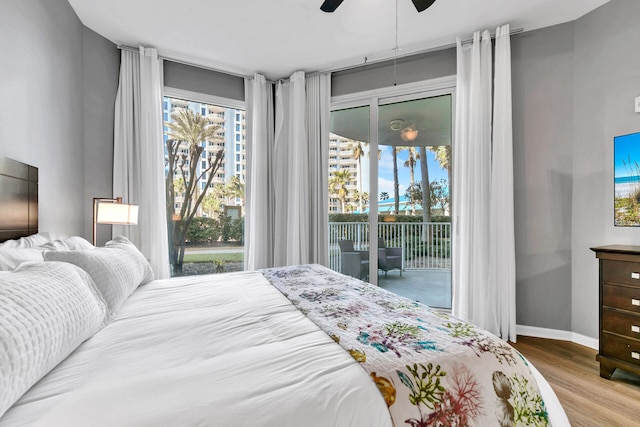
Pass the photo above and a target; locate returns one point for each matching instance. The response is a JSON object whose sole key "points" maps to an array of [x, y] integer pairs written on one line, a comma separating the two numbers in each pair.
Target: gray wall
{"points": [[42, 111], [409, 69], [101, 61], [542, 84], [195, 79], [607, 79]]}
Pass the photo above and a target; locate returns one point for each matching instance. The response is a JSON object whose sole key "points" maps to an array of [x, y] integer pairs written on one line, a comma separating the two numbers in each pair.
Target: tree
{"points": [[235, 188], [384, 195], [426, 211], [338, 187], [358, 152], [440, 195], [396, 183], [212, 203], [187, 132], [443, 156], [410, 163]]}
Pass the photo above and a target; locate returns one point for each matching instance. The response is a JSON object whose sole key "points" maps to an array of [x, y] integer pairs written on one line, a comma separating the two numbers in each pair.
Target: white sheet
{"points": [[217, 350], [225, 350]]}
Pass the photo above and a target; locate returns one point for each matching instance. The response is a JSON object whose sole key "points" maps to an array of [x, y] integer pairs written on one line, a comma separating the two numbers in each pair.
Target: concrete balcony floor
{"points": [[429, 287]]}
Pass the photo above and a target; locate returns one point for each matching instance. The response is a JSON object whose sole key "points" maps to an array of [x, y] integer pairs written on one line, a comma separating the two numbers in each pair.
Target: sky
{"points": [[385, 171], [626, 147]]}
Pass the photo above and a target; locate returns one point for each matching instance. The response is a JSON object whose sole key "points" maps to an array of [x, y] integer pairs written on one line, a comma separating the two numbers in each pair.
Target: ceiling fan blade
{"points": [[422, 4], [330, 5]]}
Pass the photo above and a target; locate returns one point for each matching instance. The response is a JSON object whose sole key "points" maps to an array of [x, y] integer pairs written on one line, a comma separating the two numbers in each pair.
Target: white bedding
{"points": [[217, 350]]}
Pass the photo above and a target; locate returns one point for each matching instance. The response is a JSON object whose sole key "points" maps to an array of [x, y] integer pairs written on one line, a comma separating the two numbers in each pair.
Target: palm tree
{"points": [[356, 148], [384, 195], [235, 188], [187, 132], [426, 193], [410, 163], [338, 186], [443, 156], [396, 184]]}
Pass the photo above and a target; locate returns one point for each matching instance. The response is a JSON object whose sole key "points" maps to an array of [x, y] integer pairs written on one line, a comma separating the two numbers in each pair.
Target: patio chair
{"points": [[389, 258], [353, 263]]}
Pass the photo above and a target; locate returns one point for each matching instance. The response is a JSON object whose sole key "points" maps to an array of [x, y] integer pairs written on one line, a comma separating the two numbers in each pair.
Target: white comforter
{"points": [[226, 350]]}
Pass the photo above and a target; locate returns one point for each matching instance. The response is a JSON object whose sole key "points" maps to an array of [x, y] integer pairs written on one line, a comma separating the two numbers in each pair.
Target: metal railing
{"points": [[426, 245]]}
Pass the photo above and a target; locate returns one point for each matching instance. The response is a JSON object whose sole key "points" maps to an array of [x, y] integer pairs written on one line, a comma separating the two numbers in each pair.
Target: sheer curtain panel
{"points": [[484, 255], [287, 207], [502, 261], [260, 209], [291, 169], [138, 164], [317, 116]]}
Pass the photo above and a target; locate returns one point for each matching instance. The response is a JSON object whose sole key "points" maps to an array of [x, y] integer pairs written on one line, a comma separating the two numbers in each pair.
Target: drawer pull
{"points": [[635, 355], [635, 302], [635, 328], [635, 275]]}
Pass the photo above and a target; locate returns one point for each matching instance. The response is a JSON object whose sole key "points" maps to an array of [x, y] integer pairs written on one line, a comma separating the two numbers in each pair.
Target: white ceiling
{"points": [[278, 37]]}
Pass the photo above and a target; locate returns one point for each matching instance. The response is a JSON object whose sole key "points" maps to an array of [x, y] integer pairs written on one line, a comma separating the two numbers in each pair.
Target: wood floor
{"points": [[573, 372]]}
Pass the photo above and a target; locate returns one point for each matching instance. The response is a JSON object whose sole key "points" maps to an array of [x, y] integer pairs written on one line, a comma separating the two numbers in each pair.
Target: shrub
{"points": [[201, 231], [237, 230]]}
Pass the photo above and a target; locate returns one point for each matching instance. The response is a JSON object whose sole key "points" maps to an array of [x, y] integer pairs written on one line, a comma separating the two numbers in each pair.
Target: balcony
{"points": [[426, 261]]}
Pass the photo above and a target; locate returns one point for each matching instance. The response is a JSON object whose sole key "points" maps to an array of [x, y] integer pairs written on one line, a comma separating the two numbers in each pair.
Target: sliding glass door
{"points": [[389, 188], [414, 209]]}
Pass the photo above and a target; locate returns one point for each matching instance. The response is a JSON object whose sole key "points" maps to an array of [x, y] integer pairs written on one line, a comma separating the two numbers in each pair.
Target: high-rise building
{"points": [[230, 137], [341, 158]]}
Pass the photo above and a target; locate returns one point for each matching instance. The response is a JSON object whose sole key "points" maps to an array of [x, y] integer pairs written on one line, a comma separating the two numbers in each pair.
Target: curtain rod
{"points": [[333, 70], [181, 61], [406, 55]]}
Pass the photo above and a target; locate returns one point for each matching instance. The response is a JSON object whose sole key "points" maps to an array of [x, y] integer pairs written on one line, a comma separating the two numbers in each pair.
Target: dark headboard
{"points": [[18, 199]]}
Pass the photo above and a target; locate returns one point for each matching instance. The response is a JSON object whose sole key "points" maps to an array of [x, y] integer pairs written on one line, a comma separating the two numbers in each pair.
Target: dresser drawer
{"points": [[623, 297], [621, 323], [621, 348], [625, 273]]}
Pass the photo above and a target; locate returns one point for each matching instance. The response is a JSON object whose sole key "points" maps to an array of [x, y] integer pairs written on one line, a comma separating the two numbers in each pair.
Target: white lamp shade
{"points": [[116, 213]]}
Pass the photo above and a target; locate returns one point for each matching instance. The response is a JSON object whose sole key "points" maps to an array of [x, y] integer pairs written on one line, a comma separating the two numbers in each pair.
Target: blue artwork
{"points": [[626, 153]]}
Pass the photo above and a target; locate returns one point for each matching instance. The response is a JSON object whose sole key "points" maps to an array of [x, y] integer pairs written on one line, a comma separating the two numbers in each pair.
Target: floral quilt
{"points": [[431, 368]]}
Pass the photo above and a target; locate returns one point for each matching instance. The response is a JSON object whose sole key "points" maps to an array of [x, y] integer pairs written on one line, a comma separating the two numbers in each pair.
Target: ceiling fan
{"points": [[331, 5]]}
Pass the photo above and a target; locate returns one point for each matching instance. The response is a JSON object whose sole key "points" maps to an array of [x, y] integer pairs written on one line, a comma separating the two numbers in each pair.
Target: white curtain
{"points": [[260, 209], [317, 115], [502, 262], [291, 221], [291, 166], [138, 160], [484, 255]]}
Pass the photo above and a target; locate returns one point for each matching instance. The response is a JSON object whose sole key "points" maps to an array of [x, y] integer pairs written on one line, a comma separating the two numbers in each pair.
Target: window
{"points": [[192, 173]]}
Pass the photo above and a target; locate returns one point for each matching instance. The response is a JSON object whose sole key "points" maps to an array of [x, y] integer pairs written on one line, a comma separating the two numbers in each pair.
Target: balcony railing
{"points": [[426, 245]]}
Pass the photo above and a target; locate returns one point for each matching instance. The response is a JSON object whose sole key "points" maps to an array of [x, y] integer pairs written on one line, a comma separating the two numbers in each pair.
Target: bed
{"points": [[89, 338]]}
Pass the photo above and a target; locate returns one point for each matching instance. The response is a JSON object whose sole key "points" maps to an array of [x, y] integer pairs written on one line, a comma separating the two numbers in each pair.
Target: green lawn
{"points": [[224, 257]]}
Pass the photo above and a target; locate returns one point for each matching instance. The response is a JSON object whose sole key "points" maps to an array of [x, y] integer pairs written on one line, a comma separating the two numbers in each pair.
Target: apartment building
{"points": [[231, 138]]}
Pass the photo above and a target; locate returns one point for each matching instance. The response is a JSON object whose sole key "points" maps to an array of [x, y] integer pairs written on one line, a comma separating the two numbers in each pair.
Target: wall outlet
{"points": [[637, 104]]}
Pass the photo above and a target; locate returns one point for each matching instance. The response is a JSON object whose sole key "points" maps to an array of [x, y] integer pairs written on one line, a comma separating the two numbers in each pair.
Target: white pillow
{"points": [[75, 243], [10, 257], [72, 243], [46, 311], [117, 269], [27, 242]]}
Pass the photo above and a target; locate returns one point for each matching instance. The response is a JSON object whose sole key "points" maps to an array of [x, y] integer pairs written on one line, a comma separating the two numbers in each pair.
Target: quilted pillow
{"points": [[10, 257], [117, 269], [72, 243], [27, 242], [46, 311]]}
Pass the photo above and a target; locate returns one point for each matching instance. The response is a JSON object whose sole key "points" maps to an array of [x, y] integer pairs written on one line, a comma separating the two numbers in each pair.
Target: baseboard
{"points": [[556, 334]]}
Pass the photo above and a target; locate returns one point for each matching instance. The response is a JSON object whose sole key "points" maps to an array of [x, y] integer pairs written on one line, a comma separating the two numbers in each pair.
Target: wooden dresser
{"points": [[619, 308]]}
